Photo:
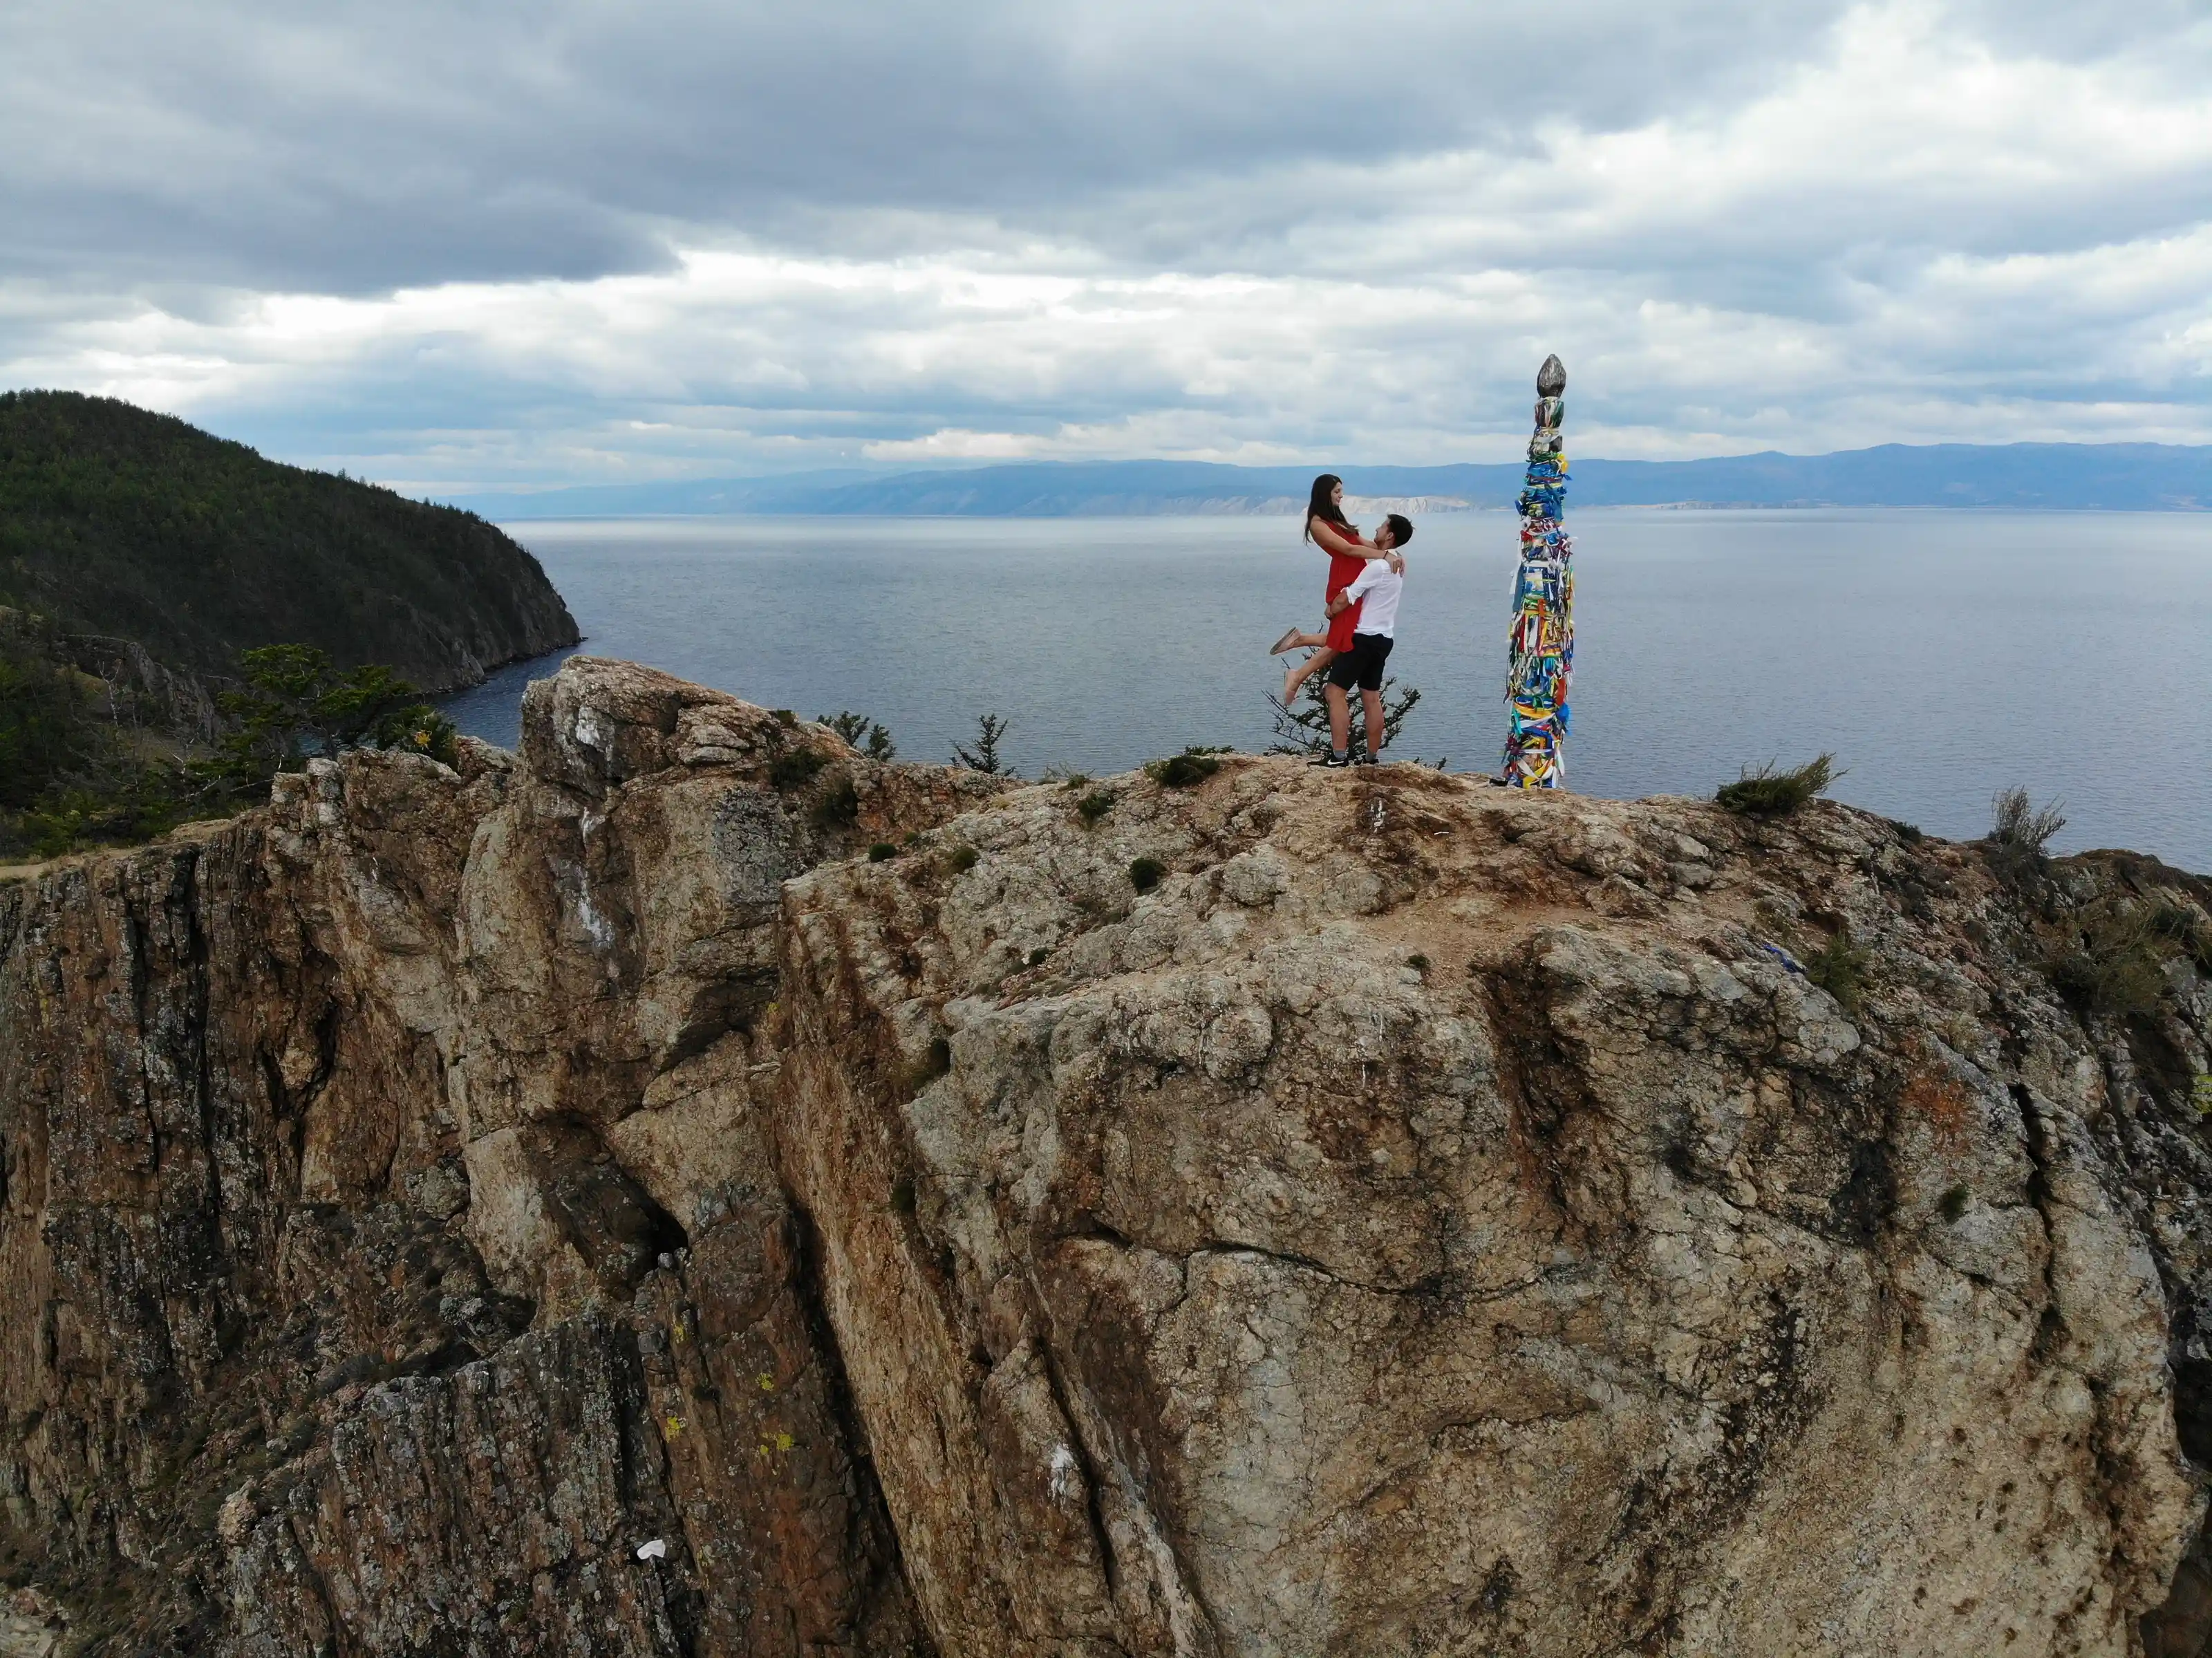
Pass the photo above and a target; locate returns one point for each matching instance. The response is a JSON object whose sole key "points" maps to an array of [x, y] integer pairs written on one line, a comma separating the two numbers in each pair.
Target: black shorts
{"points": [[1362, 665]]}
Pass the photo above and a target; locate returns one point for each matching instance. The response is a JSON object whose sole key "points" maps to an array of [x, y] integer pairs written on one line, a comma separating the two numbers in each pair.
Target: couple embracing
{"points": [[1364, 580]]}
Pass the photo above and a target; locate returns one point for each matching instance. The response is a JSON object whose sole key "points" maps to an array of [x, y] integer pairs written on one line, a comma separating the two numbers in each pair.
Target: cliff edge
{"points": [[687, 1188]]}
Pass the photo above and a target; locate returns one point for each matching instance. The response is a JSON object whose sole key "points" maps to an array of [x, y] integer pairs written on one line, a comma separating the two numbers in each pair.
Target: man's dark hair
{"points": [[1401, 529]]}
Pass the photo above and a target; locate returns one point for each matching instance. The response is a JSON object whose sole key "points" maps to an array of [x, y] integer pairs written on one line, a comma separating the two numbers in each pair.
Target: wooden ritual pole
{"points": [[1541, 652]]}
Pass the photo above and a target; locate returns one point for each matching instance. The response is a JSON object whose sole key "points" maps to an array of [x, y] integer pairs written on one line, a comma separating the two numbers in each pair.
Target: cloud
{"points": [[431, 244], [352, 148]]}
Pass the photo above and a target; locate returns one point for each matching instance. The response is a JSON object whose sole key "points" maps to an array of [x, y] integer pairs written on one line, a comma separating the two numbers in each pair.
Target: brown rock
{"points": [[1589, 1286], [1427, 1220]]}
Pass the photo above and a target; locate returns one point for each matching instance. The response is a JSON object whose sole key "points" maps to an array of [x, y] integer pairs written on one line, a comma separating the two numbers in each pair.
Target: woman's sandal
{"points": [[1289, 640]]}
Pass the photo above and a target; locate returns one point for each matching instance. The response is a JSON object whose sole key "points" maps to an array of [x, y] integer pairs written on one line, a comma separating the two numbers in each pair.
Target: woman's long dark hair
{"points": [[1323, 505]]}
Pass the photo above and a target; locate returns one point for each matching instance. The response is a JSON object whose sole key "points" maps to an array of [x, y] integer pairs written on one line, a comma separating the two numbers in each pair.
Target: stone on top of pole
{"points": [[1540, 649]]}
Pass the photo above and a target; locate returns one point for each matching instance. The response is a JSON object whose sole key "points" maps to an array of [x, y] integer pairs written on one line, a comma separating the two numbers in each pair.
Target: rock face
{"points": [[578, 1205]]}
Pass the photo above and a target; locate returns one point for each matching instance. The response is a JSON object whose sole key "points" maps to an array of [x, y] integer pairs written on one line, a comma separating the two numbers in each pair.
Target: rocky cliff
{"points": [[686, 1188]]}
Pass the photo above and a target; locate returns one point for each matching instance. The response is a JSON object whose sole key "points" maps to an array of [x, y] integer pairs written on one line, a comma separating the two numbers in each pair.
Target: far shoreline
{"points": [[1730, 507]]}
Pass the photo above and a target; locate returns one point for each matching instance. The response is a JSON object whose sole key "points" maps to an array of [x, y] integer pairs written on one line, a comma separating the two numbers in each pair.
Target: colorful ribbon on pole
{"points": [[1540, 651]]}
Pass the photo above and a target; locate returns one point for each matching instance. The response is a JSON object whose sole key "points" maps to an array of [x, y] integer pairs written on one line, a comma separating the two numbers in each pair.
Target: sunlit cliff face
{"points": [[421, 244]]}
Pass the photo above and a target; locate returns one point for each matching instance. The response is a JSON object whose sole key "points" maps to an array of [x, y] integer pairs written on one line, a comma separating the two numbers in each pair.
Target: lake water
{"points": [[1940, 655]]}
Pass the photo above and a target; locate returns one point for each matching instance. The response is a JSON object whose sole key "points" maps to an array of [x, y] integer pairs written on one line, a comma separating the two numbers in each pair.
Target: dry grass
{"points": [[2111, 961]]}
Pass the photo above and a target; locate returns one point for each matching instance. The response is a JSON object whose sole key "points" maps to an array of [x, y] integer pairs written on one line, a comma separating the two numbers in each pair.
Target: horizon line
{"points": [[955, 464]]}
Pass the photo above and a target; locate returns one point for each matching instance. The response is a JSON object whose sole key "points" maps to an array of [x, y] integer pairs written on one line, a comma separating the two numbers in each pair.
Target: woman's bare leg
{"points": [[1312, 664]]}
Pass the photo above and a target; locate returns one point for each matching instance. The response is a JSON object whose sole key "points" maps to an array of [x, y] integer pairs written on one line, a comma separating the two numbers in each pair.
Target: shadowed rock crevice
{"points": [[2182, 1627], [2050, 1325], [1540, 1084], [873, 1540]]}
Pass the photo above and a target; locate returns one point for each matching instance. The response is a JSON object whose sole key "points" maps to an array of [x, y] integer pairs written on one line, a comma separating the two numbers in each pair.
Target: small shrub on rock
{"points": [[2018, 833], [840, 808], [1767, 792], [296, 701], [984, 757], [2110, 961], [961, 859], [1184, 770], [869, 736], [796, 769], [1952, 1205], [1304, 729], [2186, 930], [1145, 874], [882, 852], [1038, 955], [1094, 805], [1840, 968]]}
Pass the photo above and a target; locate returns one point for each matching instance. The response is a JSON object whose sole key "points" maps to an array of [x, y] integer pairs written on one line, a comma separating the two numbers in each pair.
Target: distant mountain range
{"points": [[2080, 477]]}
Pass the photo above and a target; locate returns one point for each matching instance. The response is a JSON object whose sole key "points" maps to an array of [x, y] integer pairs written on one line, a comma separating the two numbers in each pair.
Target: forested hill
{"points": [[117, 522]]}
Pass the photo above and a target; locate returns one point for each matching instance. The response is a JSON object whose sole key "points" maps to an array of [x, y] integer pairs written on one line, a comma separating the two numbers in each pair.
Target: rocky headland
{"points": [[687, 1188]]}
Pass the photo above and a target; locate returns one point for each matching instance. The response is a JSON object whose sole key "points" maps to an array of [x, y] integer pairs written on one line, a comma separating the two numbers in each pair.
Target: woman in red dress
{"points": [[1327, 528]]}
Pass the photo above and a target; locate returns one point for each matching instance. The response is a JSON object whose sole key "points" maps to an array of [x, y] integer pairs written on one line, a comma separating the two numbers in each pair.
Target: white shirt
{"points": [[1376, 587]]}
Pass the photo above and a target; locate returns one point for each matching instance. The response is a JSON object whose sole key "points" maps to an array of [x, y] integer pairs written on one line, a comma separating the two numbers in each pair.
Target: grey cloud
{"points": [[354, 149], [1414, 189]]}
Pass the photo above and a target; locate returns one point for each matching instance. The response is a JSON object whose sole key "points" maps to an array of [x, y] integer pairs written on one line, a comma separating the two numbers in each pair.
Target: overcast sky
{"points": [[454, 244]]}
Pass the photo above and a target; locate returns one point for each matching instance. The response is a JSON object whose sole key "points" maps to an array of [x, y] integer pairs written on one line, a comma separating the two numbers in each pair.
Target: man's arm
{"points": [[1356, 589], [1333, 540]]}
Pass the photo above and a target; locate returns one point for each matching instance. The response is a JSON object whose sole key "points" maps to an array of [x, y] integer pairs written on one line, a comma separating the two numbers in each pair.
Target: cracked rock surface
{"points": [[1427, 1220]]}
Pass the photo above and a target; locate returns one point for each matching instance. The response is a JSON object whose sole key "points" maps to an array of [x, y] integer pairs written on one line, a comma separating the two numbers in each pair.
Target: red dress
{"points": [[1343, 571]]}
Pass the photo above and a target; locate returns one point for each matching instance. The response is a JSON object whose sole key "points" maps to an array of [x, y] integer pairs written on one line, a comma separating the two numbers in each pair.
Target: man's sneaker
{"points": [[1367, 759], [1333, 760]]}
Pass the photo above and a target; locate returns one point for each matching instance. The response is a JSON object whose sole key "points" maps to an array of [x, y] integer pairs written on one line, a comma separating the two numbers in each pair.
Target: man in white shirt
{"points": [[1375, 591]]}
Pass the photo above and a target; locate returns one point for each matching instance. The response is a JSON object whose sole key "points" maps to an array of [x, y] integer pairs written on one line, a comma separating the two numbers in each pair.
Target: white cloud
{"points": [[1895, 222]]}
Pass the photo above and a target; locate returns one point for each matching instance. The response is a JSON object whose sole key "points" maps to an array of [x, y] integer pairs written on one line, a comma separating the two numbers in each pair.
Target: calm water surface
{"points": [[1941, 655]]}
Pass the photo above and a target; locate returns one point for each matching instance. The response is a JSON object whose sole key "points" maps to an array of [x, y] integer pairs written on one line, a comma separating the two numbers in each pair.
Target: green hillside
{"points": [[117, 522]]}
